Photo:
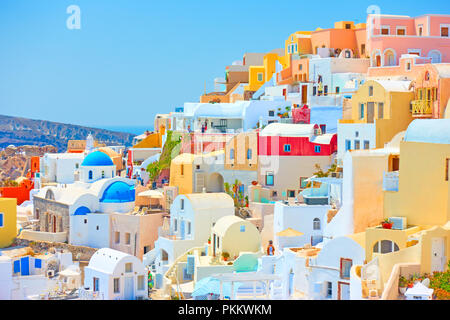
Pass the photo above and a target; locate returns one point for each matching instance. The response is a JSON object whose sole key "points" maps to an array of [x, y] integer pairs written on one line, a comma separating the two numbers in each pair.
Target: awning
{"points": [[289, 232]]}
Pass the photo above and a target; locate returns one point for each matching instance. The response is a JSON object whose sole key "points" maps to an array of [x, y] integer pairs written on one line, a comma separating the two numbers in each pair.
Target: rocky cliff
{"points": [[22, 131]]}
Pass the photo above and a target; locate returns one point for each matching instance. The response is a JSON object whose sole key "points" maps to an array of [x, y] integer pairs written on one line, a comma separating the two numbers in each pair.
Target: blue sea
{"points": [[137, 130]]}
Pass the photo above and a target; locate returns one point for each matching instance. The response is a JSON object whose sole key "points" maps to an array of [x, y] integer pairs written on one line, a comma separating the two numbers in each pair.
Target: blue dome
{"points": [[97, 158], [118, 192], [82, 211]]}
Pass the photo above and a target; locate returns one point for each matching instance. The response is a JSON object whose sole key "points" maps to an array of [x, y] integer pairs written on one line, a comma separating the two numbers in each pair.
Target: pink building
{"points": [[390, 36]]}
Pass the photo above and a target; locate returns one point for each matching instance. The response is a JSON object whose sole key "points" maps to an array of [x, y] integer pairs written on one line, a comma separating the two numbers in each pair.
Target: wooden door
{"points": [[304, 94], [370, 111]]}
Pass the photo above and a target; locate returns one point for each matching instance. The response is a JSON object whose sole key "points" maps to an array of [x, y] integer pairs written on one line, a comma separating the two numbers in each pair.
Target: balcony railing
{"points": [[390, 181], [422, 108]]}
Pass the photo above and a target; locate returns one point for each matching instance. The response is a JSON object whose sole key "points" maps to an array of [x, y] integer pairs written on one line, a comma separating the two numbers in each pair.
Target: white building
{"points": [[191, 218], [60, 167], [114, 275], [227, 117]]}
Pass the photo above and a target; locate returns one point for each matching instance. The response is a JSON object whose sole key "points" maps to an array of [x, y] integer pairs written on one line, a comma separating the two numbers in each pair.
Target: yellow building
{"points": [[153, 140], [181, 169], [417, 200], [8, 221], [298, 43], [258, 75], [241, 152], [382, 108]]}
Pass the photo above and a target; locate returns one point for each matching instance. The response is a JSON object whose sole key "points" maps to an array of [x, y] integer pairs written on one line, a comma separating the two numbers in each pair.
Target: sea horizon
{"points": [[137, 130]]}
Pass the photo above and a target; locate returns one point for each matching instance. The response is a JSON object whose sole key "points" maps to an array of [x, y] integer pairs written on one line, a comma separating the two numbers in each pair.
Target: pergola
{"points": [[245, 277]]}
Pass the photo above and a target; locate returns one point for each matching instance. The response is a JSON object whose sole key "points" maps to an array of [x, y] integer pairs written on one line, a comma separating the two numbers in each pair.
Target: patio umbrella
{"points": [[151, 194]]}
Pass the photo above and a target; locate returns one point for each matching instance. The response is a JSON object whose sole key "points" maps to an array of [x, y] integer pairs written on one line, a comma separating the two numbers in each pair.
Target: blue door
{"points": [[25, 266], [182, 227]]}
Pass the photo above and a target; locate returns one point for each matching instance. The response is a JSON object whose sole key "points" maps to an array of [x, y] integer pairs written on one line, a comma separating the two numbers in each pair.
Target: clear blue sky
{"points": [[134, 58]]}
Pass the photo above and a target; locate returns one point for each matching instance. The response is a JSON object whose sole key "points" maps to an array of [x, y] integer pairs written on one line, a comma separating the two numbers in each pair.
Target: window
{"points": [[325, 90], [291, 193], [98, 228], [420, 29], [175, 224], [103, 174], [90, 174], [366, 144], [287, 148], [260, 77], [357, 134], [182, 169], [269, 179], [447, 168], [218, 244], [337, 90], [300, 67], [401, 31], [444, 30], [116, 285], [38, 263], [96, 284], [317, 149], [303, 182], [127, 238], [363, 49], [370, 91], [77, 165], [271, 113], [1, 219], [128, 267], [329, 289], [348, 145], [385, 30], [182, 204], [141, 282], [231, 154], [37, 214], [357, 144], [189, 227], [346, 265], [348, 26], [242, 229], [408, 66], [117, 237], [146, 249], [361, 111], [316, 224], [385, 246], [314, 90], [197, 167], [249, 154], [380, 110], [85, 221], [274, 194]]}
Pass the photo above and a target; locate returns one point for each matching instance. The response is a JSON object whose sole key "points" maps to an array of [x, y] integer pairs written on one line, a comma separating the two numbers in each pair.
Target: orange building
{"points": [[344, 35]]}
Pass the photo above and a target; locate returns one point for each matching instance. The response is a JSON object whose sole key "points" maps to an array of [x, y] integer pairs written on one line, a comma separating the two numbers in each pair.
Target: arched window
{"points": [[103, 174], [112, 174], [389, 57], [435, 56], [385, 246], [316, 224], [231, 154], [49, 195], [77, 165], [90, 174]]}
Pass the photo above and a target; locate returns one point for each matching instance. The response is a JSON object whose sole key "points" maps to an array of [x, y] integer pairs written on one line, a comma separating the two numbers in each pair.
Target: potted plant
{"points": [[402, 284], [225, 255], [209, 240], [387, 224]]}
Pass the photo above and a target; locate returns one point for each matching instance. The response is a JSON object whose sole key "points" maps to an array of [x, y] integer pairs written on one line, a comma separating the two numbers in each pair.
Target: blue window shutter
{"points": [[190, 264], [1, 219], [37, 263], [16, 266]]}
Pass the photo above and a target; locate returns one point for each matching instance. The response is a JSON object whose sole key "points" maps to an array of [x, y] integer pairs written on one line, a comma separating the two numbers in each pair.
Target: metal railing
{"points": [[421, 107]]}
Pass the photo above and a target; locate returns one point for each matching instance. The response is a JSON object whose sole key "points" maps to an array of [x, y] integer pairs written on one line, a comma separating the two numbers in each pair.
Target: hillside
{"points": [[22, 131]]}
